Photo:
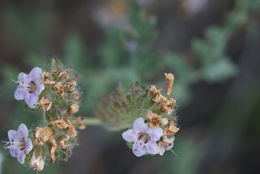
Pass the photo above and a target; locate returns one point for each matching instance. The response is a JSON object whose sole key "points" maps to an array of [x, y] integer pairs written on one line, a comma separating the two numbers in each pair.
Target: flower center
{"points": [[144, 137], [32, 87], [18, 145]]}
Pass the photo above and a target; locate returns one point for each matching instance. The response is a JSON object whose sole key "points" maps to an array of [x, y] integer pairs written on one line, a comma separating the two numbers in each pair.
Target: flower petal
{"points": [[169, 141], [161, 151], [28, 145], [140, 125], [12, 135], [138, 149], [39, 89], [13, 152], [21, 157], [129, 135], [19, 93], [155, 133], [152, 147], [22, 130], [22, 78], [31, 100], [35, 74]]}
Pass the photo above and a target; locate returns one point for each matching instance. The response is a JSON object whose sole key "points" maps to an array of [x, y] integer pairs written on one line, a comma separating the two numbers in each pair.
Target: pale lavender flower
{"points": [[29, 87], [19, 144], [143, 138]]}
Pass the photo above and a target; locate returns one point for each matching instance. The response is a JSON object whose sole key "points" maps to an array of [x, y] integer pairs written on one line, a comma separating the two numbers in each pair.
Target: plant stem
{"points": [[44, 116], [92, 121]]}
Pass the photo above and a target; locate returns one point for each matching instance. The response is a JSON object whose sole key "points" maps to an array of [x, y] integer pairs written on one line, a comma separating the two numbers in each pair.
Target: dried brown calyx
{"points": [[74, 108], [60, 123], [45, 103], [169, 80], [46, 79], [167, 104], [59, 88], [65, 124], [63, 74], [63, 141], [70, 85], [170, 129], [43, 134], [155, 120], [72, 130], [53, 150]]}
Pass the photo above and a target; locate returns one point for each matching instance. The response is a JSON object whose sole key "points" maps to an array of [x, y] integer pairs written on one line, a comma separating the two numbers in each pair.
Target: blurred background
{"points": [[211, 46]]}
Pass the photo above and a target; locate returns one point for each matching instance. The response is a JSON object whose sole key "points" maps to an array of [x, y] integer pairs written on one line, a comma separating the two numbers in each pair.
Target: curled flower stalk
{"points": [[55, 92]]}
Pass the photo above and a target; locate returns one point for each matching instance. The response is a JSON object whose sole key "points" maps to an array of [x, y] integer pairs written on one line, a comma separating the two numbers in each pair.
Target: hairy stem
{"points": [[92, 121]]}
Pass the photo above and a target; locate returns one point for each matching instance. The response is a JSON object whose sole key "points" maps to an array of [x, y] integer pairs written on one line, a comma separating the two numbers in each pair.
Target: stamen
{"points": [[173, 152]]}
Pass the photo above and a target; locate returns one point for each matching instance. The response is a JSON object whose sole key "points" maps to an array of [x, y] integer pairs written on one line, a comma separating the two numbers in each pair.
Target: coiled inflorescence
{"points": [[155, 133], [53, 91]]}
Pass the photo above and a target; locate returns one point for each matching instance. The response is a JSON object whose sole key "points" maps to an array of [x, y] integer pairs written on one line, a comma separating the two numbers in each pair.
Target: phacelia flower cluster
{"points": [[155, 133], [54, 91]]}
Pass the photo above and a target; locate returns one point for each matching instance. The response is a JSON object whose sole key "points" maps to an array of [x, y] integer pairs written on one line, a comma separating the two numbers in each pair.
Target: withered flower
{"points": [[55, 73], [72, 130], [171, 129], [168, 105], [37, 161], [53, 150], [63, 141], [79, 121], [154, 90], [46, 79], [45, 103], [43, 134], [59, 88], [74, 108], [154, 120], [65, 124], [60, 123], [169, 80], [63, 74], [160, 99], [70, 85]]}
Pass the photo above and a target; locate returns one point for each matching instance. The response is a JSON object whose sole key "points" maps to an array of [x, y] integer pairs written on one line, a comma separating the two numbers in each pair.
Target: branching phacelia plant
{"points": [[53, 91]]}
